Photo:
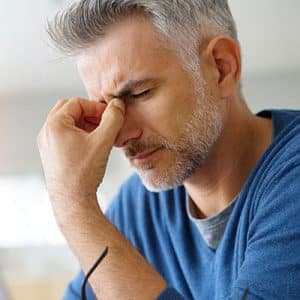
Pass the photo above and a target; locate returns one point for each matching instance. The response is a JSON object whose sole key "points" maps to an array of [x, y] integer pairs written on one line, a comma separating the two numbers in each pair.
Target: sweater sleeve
{"points": [[271, 268]]}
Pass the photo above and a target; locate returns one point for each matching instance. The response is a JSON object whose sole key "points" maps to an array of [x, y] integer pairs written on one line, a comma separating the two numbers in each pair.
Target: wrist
{"points": [[70, 207]]}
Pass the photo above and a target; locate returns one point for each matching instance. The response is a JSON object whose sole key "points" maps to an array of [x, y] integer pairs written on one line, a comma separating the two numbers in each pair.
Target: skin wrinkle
{"points": [[197, 132], [189, 150], [195, 116], [130, 86], [187, 117]]}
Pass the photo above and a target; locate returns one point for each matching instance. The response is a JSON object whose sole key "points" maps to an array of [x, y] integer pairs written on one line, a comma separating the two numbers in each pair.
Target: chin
{"points": [[158, 181], [156, 188]]}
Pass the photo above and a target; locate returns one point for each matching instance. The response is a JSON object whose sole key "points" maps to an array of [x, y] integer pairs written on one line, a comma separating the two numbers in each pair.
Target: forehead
{"points": [[131, 48]]}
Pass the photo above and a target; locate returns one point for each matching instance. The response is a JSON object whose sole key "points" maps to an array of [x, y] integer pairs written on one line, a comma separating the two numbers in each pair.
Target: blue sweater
{"points": [[259, 253]]}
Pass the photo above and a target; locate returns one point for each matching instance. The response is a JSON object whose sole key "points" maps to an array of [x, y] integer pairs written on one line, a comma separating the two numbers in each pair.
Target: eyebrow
{"points": [[129, 86]]}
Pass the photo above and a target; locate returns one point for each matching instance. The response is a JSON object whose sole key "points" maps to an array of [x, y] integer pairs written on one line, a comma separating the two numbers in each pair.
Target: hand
{"points": [[74, 145]]}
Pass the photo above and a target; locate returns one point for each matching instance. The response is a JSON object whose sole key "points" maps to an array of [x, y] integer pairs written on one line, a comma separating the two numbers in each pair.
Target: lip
{"points": [[144, 155]]}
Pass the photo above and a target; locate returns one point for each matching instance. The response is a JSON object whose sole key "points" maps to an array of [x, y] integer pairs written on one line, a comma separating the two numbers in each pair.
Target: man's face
{"points": [[170, 124]]}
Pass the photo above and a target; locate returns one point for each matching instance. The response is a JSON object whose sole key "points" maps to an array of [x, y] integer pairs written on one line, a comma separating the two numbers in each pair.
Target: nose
{"points": [[129, 131]]}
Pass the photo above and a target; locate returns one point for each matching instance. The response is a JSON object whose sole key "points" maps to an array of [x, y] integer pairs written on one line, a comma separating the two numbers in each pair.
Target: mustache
{"points": [[137, 147]]}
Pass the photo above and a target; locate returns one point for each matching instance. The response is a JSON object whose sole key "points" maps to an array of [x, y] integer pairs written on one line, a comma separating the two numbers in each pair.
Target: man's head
{"points": [[172, 62]]}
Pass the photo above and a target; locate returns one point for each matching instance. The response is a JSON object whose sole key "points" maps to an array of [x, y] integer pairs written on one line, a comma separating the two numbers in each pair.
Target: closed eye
{"points": [[140, 95]]}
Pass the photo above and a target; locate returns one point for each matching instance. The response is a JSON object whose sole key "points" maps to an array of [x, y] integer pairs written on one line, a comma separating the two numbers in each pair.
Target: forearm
{"points": [[74, 155], [124, 273]]}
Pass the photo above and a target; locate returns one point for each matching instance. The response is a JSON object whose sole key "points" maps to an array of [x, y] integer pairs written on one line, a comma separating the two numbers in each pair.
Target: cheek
{"points": [[163, 115]]}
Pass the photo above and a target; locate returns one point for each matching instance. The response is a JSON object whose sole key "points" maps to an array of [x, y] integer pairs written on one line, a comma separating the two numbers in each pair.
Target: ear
{"points": [[221, 65]]}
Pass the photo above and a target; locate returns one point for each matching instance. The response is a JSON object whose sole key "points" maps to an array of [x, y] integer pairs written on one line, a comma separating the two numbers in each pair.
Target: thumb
{"points": [[111, 122]]}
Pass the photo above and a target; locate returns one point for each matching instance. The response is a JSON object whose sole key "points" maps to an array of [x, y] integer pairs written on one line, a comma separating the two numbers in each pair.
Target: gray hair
{"points": [[184, 24]]}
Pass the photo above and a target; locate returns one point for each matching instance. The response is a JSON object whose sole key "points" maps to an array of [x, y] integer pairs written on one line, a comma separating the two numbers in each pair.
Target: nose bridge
{"points": [[130, 130]]}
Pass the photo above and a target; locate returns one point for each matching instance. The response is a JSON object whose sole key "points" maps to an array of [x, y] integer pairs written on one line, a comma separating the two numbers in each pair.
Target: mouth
{"points": [[143, 156]]}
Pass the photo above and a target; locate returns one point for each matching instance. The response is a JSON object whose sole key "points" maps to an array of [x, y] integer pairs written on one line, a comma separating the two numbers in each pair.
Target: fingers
{"points": [[111, 123], [102, 121], [79, 108], [57, 106]]}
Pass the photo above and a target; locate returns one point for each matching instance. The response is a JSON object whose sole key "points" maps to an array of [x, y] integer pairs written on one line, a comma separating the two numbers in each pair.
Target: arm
{"points": [[124, 273], [127, 212], [74, 155]]}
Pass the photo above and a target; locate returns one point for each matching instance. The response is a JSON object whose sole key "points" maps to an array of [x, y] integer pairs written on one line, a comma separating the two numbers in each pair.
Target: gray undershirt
{"points": [[212, 228]]}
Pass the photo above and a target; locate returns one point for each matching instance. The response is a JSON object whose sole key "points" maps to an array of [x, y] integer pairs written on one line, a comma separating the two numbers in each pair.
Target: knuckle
{"points": [[73, 99], [50, 118], [61, 102], [76, 99], [51, 123]]}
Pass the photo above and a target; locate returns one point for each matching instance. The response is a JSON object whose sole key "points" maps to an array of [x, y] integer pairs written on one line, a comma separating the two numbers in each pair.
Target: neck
{"points": [[220, 179]]}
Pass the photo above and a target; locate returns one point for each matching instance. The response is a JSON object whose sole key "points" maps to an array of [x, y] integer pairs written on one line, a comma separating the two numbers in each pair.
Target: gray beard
{"points": [[199, 135]]}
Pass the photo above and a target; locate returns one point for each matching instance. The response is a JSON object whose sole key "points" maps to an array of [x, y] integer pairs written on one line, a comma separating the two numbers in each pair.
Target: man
{"points": [[213, 212]]}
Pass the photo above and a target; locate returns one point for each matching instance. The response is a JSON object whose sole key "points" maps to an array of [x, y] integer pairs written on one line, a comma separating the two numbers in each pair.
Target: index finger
{"points": [[79, 107]]}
